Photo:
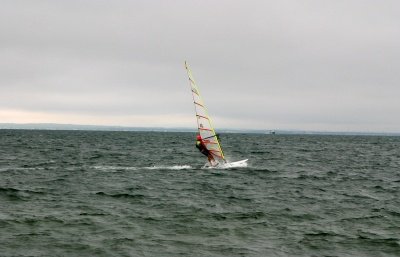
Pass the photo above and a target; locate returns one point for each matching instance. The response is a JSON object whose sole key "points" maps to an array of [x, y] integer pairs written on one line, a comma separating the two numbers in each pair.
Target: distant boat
{"points": [[205, 128]]}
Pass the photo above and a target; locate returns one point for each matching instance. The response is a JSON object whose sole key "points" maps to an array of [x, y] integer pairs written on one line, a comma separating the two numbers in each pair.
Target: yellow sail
{"points": [[204, 123]]}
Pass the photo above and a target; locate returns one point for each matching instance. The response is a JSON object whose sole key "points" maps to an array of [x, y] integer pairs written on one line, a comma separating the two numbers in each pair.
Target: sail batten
{"points": [[204, 124], [201, 116]]}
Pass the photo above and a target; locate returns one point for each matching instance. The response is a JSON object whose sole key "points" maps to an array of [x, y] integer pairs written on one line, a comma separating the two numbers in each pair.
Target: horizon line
{"points": [[91, 127]]}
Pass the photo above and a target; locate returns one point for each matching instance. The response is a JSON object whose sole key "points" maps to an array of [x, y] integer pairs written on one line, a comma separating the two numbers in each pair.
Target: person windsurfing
{"points": [[203, 149]]}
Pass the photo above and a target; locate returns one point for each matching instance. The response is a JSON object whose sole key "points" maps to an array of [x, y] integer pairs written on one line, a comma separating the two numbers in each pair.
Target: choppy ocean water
{"points": [[91, 193]]}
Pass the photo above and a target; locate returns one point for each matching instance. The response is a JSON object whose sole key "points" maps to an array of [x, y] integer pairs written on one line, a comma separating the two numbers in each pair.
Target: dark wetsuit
{"points": [[202, 148]]}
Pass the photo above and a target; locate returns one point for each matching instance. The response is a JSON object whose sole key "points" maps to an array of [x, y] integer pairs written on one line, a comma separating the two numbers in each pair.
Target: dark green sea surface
{"points": [[86, 193]]}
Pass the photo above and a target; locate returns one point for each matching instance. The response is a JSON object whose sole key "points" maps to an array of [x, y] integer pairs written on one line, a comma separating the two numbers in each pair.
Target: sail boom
{"points": [[205, 129]]}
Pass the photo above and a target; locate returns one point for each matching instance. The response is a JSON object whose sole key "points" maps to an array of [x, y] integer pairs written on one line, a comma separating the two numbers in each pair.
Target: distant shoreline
{"points": [[75, 127]]}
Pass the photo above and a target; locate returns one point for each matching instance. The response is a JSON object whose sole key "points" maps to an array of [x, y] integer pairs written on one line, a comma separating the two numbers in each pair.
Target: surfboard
{"points": [[237, 164], [228, 165]]}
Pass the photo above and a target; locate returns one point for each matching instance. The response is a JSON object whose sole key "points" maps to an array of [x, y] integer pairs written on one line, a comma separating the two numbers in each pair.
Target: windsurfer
{"points": [[203, 149]]}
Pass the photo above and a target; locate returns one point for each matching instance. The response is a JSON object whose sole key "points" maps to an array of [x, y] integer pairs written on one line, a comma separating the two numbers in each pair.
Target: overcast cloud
{"points": [[309, 65]]}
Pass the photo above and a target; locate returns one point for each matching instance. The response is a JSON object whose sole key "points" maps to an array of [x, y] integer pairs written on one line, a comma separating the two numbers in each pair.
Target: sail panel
{"points": [[204, 125]]}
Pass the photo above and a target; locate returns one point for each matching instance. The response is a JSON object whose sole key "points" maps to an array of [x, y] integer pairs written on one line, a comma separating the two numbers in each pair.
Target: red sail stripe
{"points": [[219, 156], [212, 150], [204, 117], [198, 104]]}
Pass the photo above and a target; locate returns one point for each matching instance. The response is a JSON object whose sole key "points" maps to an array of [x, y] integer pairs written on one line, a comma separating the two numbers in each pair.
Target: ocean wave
{"points": [[121, 195], [161, 167], [17, 193], [174, 167], [367, 217], [381, 242], [5, 169], [113, 168]]}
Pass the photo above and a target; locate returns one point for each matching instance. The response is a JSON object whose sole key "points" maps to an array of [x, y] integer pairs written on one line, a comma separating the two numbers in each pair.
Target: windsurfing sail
{"points": [[204, 124]]}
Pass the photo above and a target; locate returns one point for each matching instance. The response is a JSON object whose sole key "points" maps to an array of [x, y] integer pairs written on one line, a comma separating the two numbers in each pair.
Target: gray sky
{"points": [[309, 65]]}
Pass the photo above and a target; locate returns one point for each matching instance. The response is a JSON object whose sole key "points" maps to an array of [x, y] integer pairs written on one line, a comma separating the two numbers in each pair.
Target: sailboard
{"points": [[204, 124]]}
